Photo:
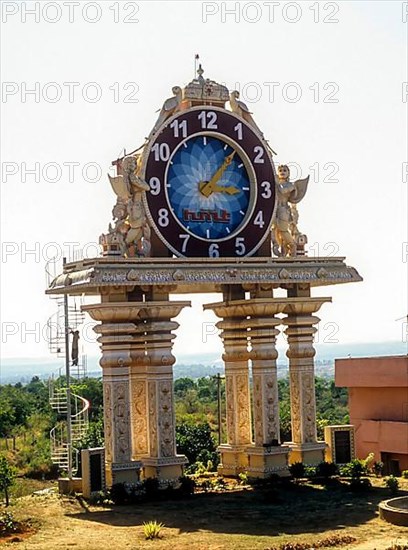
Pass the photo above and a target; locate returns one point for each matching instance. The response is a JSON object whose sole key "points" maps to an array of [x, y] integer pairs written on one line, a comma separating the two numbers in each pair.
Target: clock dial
{"points": [[212, 187], [208, 187]]}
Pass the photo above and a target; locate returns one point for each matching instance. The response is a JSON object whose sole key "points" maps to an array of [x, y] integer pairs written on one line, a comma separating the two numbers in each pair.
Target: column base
{"points": [[308, 453], [264, 461], [164, 468], [123, 472], [233, 460]]}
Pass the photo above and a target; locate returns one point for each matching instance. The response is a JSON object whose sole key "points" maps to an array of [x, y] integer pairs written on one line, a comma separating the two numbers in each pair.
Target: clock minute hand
{"points": [[207, 188]]}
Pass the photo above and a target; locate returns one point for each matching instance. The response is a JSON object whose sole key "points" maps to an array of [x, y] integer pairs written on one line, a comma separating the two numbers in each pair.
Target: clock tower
{"points": [[200, 207]]}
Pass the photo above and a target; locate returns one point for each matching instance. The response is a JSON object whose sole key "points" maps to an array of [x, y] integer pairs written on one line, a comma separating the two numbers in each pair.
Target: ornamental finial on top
{"points": [[200, 72]]}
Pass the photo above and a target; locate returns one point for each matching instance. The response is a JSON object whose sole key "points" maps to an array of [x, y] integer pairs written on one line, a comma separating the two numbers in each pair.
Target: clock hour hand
{"points": [[207, 187], [228, 189]]}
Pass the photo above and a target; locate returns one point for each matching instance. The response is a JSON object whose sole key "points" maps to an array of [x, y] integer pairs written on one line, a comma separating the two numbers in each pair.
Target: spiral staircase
{"points": [[72, 409]]}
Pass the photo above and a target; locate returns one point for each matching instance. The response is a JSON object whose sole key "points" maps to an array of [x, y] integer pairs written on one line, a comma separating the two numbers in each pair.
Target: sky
{"points": [[326, 82]]}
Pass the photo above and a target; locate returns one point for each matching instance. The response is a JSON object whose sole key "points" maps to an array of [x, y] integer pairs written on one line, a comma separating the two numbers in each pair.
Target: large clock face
{"points": [[211, 181]]}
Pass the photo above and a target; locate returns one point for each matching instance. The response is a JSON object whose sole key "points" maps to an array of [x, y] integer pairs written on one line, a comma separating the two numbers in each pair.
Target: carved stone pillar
{"points": [[266, 456], [300, 331], [238, 405], [116, 335], [136, 339], [161, 460]]}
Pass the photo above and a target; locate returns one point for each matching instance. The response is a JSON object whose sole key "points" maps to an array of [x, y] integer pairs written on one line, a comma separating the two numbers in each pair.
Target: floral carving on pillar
{"points": [[243, 406], [139, 421], [167, 443], [258, 409], [309, 408], [153, 446], [121, 420], [229, 388], [270, 390], [295, 406], [107, 408]]}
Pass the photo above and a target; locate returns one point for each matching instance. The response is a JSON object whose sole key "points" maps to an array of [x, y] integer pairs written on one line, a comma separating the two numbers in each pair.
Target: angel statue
{"points": [[131, 230], [287, 240]]}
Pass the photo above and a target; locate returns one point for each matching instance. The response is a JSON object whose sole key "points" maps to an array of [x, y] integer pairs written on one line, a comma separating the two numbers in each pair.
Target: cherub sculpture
{"points": [[287, 240], [131, 230]]}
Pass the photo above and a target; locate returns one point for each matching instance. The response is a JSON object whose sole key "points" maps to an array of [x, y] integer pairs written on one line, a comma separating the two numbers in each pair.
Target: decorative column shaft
{"points": [[265, 380], [136, 339], [116, 336], [300, 332], [238, 410], [301, 354], [152, 382], [238, 403], [266, 456]]}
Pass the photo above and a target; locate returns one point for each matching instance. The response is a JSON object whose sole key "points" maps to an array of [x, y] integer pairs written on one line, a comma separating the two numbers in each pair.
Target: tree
{"points": [[7, 477], [195, 440]]}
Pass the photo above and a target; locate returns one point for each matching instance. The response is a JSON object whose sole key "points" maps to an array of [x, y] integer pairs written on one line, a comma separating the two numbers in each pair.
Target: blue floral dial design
{"points": [[208, 187], [212, 186]]}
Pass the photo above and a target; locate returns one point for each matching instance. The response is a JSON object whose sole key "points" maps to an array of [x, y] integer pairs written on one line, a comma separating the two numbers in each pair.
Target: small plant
{"points": [[297, 470], [392, 484], [152, 487], [243, 478], [310, 471], [360, 484], [152, 529], [354, 469], [7, 523], [7, 477], [326, 469], [187, 486], [378, 468], [405, 474], [333, 541], [118, 494]]}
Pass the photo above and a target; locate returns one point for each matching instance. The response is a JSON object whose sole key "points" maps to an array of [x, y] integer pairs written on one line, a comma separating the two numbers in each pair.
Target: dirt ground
{"points": [[236, 520]]}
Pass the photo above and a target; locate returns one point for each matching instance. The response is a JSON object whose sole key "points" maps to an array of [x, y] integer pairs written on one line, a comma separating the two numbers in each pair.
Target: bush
{"points": [[7, 523], [405, 474], [152, 530], [297, 470], [151, 486], [326, 469], [355, 469], [118, 494], [392, 484], [196, 442], [378, 468], [7, 477], [187, 486], [360, 484]]}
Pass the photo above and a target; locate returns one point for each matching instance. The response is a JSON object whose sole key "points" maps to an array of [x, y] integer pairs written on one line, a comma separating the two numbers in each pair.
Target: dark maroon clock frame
{"points": [[217, 122]]}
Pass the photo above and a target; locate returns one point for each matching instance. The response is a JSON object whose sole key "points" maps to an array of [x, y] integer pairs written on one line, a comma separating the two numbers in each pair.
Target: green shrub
{"points": [[392, 484], [360, 484], [405, 474], [378, 468], [297, 470], [7, 477], [7, 523], [310, 471], [187, 486], [151, 487], [355, 469], [243, 478], [152, 530], [326, 469], [118, 494]]}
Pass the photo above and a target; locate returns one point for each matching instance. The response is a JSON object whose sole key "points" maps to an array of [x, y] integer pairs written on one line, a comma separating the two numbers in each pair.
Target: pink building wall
{"points": [[378, 405]]}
